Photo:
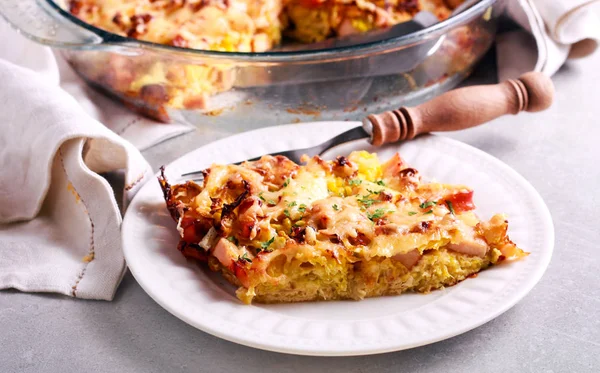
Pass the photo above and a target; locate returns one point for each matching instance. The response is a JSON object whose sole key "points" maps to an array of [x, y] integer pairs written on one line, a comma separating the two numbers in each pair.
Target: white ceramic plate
{"points": [[205, 301]]}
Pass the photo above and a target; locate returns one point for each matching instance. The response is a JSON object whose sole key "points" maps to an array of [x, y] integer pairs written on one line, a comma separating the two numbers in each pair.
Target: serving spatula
{"points": [[452, 111]]}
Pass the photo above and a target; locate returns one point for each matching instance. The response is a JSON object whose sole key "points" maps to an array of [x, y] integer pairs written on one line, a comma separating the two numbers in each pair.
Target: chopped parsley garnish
{"points": [[292, 204], [287, 182], [428, 212], [380, 182], [374, 191], [450, 207], [425, 205], [336, 207], [378, 214], [286, 212], [411, 213], [245, 258], [232, 239], [302, 208], [365, 200], [355, 182], [265, 245], [268, 201]]}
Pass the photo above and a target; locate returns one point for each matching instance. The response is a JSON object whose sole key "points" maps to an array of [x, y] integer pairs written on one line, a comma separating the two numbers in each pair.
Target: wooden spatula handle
{"points": [[462, 108]]}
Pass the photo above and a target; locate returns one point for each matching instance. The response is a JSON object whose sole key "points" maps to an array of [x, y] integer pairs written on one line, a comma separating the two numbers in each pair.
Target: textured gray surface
{"points": [[556, 328]]}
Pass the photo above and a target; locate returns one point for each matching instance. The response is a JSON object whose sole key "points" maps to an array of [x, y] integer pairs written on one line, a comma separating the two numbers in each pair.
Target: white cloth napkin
{"points": [[553, 31], [59, 220], [140, 131]]}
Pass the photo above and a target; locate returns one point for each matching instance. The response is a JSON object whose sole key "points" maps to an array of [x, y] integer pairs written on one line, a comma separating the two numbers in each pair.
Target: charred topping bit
{"points": [[139, 25], [449, 204], [214, 205], [408, 6], [245, 258], [168, 195], [298, 233], [385, 196], [407, 172], [422, 227], [335, 239], [229, 207], [341, 160], [192, 251], [360, 240], [118, 19]]}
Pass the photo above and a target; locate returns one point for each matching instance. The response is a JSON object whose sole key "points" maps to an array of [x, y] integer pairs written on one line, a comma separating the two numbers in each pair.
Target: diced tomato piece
{"points": [[241, 273], [461, 201], [193, 229]]}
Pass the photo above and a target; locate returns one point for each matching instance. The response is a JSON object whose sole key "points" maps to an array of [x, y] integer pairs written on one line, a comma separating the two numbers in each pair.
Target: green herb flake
{"points": [[378, 214], [260, 195], [374, 191], [425, 205], [265, 245], [245, 258], [336, 207], [287, 182], [355, 182], [365, 200], [286, 212], [302, 208], [380, 182], [411, 213], [450, 207], [292, 204], [428, 212], [232, 239]]}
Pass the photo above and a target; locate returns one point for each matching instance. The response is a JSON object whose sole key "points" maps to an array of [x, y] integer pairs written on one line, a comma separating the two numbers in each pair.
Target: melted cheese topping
{"points": [[360, 213], [273, 224]]}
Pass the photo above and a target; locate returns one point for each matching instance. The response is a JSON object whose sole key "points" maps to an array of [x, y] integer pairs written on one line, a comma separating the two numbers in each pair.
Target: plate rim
{"points": [[517, 296]]}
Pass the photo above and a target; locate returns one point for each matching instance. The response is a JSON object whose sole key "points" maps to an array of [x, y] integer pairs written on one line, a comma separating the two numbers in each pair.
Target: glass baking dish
{"points": [[215, 88]]}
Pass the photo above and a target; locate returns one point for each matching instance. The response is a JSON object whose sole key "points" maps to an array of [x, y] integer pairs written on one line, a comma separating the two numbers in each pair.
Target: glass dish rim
{"points": [[111, 39]]}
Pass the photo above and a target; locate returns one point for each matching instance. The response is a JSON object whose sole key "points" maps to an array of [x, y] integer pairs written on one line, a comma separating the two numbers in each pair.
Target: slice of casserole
{"points": [[344, 229]]}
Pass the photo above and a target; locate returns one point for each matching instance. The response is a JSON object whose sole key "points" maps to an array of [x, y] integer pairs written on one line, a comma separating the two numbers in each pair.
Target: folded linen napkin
{"points": [[553, 31], [59, 220]]}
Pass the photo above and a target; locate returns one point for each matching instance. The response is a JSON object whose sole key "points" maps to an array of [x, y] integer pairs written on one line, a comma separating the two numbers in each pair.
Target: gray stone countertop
{"points": [[556, 328]]}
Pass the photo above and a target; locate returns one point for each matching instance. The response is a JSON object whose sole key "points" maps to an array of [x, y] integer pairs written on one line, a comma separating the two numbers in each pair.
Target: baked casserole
{"points": [[221, 25], [350, 228]]}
